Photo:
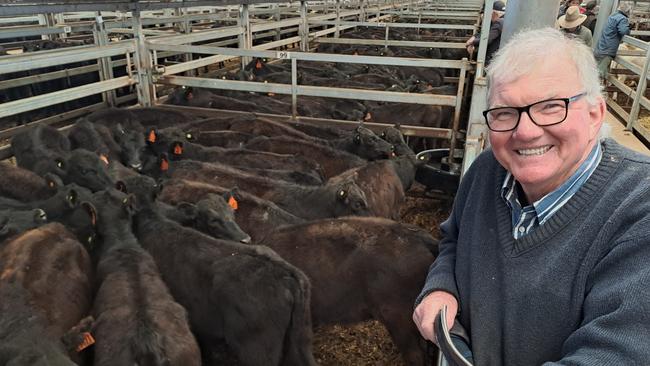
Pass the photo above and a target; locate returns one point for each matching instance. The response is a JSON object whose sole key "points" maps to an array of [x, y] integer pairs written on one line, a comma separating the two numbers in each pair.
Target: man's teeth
{"points": [[536, 151]]}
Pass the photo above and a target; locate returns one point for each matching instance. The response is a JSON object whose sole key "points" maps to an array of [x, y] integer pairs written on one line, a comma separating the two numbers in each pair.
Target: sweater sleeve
{"points": [[441, 273], [616, 310], [623, 27]]}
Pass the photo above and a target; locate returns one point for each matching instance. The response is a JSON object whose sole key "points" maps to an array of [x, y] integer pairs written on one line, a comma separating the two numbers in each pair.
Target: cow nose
{"points": [[137, 166], [246, 240]]}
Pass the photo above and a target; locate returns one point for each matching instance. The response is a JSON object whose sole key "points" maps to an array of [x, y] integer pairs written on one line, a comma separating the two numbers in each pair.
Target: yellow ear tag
{"points": [[233, 203]]}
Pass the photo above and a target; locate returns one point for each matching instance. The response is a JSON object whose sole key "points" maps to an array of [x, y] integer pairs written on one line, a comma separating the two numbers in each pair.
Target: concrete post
{"points": [[605, 9], [531, 14]]}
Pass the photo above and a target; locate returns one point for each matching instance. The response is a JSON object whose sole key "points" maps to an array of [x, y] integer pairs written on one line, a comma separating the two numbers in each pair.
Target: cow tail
{"points": [[298, 338], [147, 346]]}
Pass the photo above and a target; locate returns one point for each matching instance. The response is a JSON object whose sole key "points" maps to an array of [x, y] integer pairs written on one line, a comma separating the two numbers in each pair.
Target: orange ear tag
{"points": [[233, 203], [103, 158], [93, 218], [87, 342], [164, 165], [368, 117], [178, 149], [152, 136], [258, 64]]}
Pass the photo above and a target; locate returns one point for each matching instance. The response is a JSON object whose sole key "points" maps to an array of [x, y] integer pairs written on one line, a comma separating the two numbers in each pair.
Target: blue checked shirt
{"points": [[526, 219]]}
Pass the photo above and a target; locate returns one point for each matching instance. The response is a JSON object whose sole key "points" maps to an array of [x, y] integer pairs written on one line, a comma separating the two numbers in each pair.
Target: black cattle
{"points": [[338, 197], [57, 207], [42, 149], [13, 222], [227, 139], [24, 185], [46, 289], [362, 268], [256, 216], [137, 322], [208, 213], [363, 142], [332, 161], [318, 131], [245, 295], [87, 170], [122, 128], [85, 135], [23, 339], [172, 142]]}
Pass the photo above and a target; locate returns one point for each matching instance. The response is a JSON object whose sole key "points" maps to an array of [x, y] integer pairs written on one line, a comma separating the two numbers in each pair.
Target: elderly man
{"points": [[544, 257], [494, 38], [617, 26]]}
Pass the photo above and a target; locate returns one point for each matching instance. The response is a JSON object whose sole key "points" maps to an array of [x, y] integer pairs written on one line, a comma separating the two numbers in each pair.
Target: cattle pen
{"points": [[213, 76]]}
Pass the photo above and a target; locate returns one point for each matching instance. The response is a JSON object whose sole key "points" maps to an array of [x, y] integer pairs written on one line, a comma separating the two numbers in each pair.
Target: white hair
{"points": [[625, 7], [528, 48]]}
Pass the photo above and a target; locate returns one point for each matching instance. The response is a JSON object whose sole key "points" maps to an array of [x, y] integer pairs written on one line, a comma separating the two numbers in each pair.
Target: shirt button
{"points": [[521, 229]]}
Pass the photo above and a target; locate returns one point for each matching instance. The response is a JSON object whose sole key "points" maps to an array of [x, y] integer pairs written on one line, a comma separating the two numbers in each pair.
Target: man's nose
{"points": [[527, 129]]}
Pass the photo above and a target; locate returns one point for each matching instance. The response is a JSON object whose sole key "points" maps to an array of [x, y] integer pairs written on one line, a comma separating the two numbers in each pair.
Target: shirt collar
{"points": [[549, 204]]}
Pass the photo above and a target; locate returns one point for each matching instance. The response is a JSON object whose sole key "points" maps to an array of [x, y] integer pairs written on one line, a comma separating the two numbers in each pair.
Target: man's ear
{"points": [[596, 117]]}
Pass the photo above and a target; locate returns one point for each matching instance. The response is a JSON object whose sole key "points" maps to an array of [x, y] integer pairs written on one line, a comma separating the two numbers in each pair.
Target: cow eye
{"points": [[383, 135], [342, 193], [59, 164], [357, 139], [83, 171]]}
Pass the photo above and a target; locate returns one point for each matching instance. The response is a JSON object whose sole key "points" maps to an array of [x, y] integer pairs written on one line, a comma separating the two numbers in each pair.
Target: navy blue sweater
{"points": [[576, 291]]}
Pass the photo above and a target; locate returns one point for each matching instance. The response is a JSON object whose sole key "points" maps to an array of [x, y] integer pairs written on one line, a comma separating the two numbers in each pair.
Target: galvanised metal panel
{"points": [[26, 61], [45, 100], [313, 91]]}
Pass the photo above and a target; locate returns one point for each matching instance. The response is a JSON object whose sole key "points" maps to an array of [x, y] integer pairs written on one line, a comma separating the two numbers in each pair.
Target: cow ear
{"points": [[188, 210], [91, 211], [40, 216], [120, 186], [53, 181], [59, 163], [72, 198], [342, 194], [129, 203]]}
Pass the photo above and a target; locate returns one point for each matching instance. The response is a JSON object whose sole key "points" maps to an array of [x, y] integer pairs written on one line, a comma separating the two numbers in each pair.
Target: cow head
{"points": [[145, 189], [215, 215], [14, 222], [350, 200], [87, 170], [131, 144], [365, 143]]}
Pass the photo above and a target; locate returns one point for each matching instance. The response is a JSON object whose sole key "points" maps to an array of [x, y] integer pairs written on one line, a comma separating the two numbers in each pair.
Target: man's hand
{"points": [[426, 312]]}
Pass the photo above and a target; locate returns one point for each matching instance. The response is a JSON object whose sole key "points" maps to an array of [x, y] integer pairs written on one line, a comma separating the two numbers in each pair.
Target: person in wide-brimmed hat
{"points": [[571, 23]]}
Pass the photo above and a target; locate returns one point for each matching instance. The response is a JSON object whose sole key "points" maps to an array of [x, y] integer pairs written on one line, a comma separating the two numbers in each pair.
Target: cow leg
{"points": [[395, 314]]}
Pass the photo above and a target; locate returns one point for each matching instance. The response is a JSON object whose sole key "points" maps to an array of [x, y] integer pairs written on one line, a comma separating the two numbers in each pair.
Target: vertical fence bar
{"points": [[304, 28], [294, 88], [337, 29], [640, 92], [105, 64], [459, 104], [143, 63]]}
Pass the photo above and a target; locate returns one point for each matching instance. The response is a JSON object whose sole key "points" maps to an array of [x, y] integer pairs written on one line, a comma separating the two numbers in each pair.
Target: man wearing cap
{"points": [[496, 27], [617, 26], [571, 24], [592, 15]]}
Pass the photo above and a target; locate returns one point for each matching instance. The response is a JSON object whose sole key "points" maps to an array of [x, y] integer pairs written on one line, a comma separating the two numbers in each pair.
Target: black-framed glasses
{"points": [[543, 113]]}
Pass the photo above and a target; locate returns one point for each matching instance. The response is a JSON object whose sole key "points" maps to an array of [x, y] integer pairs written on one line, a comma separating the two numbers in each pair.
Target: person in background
{"points": [[496, 28], [617, 26], [543, 259], [592, 15], [571, 24], [566, 5]]}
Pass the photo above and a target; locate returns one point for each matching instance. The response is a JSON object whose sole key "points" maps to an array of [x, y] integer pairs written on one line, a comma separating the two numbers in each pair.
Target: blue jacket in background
{"points": [[617, 26]]}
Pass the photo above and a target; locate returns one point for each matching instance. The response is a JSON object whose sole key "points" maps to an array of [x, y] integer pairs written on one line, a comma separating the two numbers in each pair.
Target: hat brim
{"points": [[572, 24]]}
